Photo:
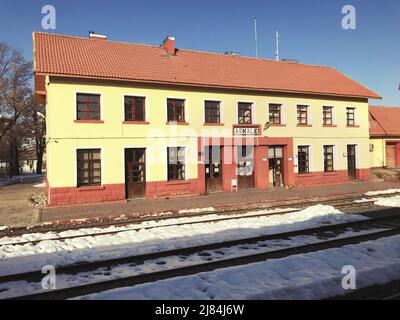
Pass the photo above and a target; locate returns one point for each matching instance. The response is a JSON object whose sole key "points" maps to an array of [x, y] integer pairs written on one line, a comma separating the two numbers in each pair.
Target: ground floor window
{"points": [[176, 163], [303, 156], [88, 167], [328, 158]]}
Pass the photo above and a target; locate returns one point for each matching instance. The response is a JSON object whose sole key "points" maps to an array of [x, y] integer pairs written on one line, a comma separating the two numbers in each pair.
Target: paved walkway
{"points": [[142, 206], [15, 210]]}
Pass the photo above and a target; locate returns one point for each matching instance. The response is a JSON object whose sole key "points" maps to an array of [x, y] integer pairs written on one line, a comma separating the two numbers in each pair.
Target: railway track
{"points": [[225, 216], [328, 237]]}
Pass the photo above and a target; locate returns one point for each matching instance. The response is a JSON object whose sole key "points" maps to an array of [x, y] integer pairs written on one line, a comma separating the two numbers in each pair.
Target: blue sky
{"points": [[310, 30]]}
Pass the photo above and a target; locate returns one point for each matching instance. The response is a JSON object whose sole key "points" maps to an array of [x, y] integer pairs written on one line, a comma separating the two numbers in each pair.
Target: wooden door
{"points": [[351, 161], [135, 173], [245, 167], [391, 155], [213, 167]]}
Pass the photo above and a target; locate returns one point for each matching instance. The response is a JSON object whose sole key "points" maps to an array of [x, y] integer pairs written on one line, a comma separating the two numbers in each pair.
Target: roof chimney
{"points": [[232, 53], [169, 45], [93, 35]]}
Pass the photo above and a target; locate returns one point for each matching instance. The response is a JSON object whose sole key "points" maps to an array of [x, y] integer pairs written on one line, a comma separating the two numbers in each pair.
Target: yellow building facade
{"points": [[112, 139]]}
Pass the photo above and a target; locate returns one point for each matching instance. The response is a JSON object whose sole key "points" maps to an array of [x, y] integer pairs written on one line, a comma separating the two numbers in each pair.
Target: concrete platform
{"points": [[217, 200]]}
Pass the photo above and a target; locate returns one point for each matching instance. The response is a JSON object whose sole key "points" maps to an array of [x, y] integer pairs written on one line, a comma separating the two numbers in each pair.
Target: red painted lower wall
{"points": [[71, 195], [326, 178], [170, 189]]}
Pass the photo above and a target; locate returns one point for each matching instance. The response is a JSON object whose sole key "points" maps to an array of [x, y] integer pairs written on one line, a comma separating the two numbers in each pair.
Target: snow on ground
{"points": [[388, 202], [376, 193], [20, 288], [29, 257], [197, 210], [315, 275], [40, 185], [383, 202]]}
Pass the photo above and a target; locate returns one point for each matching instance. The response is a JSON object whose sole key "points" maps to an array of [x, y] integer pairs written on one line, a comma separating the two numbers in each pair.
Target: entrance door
{"points": [[213, 167], [276, 170], [351, 161], [135, 173], [391, 155], [245, 167]]}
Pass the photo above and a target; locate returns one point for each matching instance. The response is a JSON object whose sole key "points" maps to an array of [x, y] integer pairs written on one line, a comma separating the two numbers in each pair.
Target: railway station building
{"points": [[129, 121]]}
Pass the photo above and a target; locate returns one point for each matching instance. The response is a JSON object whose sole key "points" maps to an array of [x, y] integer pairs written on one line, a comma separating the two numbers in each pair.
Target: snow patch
{"points": [[388, 202], [376, 193], [40, 185]]}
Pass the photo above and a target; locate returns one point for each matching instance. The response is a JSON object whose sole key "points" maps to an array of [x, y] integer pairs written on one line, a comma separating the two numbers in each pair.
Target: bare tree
{"points": [[15, 86], [34, 132]]}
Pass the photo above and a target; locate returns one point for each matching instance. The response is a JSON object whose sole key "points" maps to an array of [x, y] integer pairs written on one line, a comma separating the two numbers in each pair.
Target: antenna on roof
{"points": [[277, 38], [255, 35]]}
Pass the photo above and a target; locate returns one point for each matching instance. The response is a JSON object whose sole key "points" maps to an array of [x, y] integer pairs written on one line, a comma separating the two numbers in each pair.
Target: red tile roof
{"points": [[384, 121], [96, 58]]}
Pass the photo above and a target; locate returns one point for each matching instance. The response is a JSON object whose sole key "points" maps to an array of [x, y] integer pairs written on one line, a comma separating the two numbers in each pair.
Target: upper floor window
{"points": [[244, 113], [176, 163], [327, 116], [302, 115], [328, 158], [212, 112], [303, 158], [135, 108], [176, 110], [88, 106], [275, 114], [350, 117], [88, 167]]}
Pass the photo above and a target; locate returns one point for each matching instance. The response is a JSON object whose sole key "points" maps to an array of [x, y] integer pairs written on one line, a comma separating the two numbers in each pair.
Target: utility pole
{"points": [[255, 35], [277, 37]]}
